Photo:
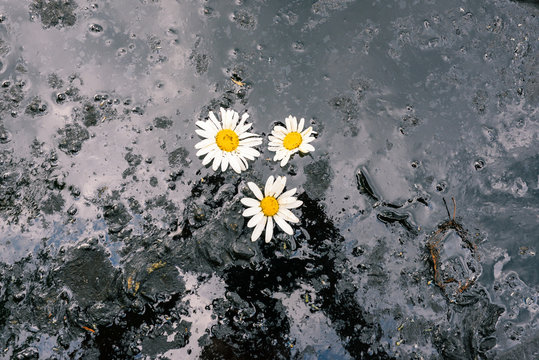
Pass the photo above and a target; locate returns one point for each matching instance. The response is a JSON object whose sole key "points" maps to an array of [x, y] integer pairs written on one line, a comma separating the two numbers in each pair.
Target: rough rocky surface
{"points": [[115, 241]]}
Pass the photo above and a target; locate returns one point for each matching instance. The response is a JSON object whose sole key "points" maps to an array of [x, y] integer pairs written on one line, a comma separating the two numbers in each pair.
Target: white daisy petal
{"points": [[225, 118], [245, 135], [201, 124], [217, 160], [247, 156], [294, 124], [258, 229], [269, 230], [250, 202], [291, 205], [269, 184], [278, 186], [251, 141], [209, 157], [279, 155], [307, 132], [285, 159], [234, 120], [288, 125], [273, 139], [214, 120], [255, 219], [208, 126], [249, 151], [204, 133], [305, 148], [243, 164], [283, 224], [287, 200], [251, 211], [287, 215], [235, 164], [301, 124], [287, 194], [240, 129], [224, 162], [204, 143], [206, 150], [280, 130], [256, 191]]}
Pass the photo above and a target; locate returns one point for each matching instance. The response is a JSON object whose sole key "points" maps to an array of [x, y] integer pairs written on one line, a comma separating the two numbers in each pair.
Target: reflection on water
{"points": [[116, 240]]}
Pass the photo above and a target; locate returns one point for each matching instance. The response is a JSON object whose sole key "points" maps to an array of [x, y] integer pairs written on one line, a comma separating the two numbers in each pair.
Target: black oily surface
{"points": [[116, 243]]}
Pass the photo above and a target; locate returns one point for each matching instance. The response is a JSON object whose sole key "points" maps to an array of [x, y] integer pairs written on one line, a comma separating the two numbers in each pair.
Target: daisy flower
{"points": [[273, 206], [227, 142], [288, 141]]}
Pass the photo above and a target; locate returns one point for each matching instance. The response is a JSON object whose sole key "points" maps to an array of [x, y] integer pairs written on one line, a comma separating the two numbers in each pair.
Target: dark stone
{"points": [[55, 12], [72, 136]]}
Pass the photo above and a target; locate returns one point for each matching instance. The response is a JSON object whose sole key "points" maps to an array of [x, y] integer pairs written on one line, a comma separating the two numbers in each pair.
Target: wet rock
{"points": [[345, 105], [137, 110], [479, 101], [202, 249], [54, 81], [469, 336], [4, 48], [30, 353], [54, 203], [361, 87], [200, 62], [37, 107], [178, 157], [319, 176], [250, 302], [116, 216], [5, 134], [408, 122], [479, 164], [133, 160], [90, 115], [349, 108], [160, 282], [89, 274], [95, 28], [60, 98], [198, 215], [12, 96], [214, 224], [72, 136], [390, 216], [527, 350], [55, 12], [159, 342], [324, 7], [244, 19], [162, 122]]}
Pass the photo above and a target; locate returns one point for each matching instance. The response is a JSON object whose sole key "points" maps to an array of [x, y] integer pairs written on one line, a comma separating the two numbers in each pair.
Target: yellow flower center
{"points": [[269, 206], [227, 140], [292, 140]]}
